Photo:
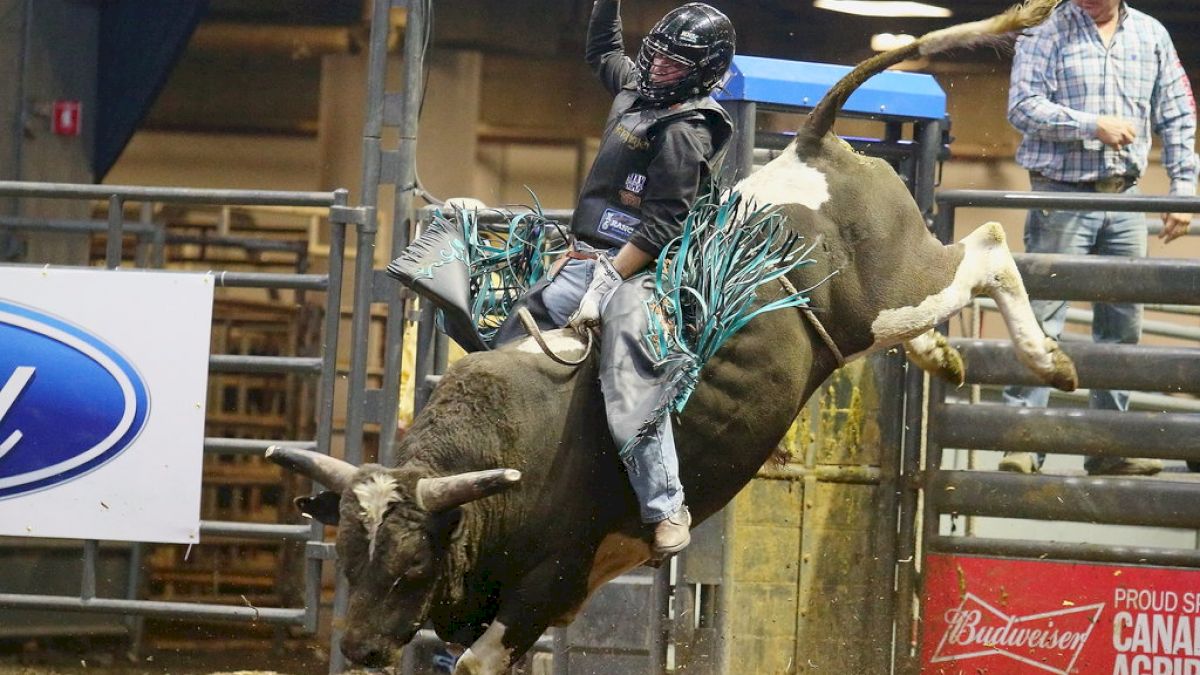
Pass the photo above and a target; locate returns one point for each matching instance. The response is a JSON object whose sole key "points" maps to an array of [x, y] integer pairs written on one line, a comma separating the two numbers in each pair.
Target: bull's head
{"points": [[396, 532]]}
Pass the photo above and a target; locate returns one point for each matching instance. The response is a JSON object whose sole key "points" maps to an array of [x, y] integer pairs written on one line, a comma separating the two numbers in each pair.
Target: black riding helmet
{"points": [[697, 38]]}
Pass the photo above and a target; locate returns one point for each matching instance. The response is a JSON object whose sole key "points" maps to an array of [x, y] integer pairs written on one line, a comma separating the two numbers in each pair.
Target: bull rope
{"points": [[810, 314], [531, 327]]}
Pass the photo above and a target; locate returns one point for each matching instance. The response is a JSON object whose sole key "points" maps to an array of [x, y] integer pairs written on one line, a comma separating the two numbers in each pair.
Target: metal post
{"points": [[21, 118], [892, 377], [116, 220], [134, 624], [403, 216], [87, 584], [329, 342], [426, 356], [741, 149], [929, 139], [329, 350], [908, 492], [930, 519], [441, 353], [360, 324], [660, 607]]}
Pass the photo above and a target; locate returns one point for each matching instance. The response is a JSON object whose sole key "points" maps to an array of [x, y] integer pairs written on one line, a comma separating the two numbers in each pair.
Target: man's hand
{"points": [[1175, 225], [465, 204], [605, 280], [1115, 132]]}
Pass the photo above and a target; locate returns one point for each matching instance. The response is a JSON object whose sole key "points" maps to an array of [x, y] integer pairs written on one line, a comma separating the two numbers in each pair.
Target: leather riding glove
{"points": [[605, 280]]}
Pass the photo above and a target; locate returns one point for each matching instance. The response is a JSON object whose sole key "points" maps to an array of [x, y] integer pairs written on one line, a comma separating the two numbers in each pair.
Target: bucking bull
{"points": [[509, 506]]}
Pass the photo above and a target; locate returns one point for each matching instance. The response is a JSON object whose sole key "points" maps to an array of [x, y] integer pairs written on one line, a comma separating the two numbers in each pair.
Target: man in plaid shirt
{"points": [[1088, 87]]}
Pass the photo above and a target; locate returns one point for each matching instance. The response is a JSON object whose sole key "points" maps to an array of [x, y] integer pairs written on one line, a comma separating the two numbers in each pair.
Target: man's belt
{"points": [[1109, 184], [575, 254]]}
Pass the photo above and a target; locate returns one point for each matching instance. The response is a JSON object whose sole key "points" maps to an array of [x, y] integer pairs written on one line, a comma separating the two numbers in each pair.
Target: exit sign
{"points": [[65, 119]]}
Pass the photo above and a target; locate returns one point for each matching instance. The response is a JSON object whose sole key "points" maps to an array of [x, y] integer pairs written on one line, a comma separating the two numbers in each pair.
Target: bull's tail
{"points": [[1027, 14]]}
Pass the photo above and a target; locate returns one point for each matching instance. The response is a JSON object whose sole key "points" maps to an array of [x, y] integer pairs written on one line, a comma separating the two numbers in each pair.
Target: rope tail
{"points": [[1019, 17]]}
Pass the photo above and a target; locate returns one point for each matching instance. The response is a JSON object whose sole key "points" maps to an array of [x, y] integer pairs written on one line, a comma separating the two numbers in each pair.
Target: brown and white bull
{"points": [[509, 505]]}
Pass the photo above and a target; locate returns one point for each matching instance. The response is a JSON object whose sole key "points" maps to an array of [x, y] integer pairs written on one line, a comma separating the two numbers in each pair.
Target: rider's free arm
{"points": [[606, 48], [673, 180]]}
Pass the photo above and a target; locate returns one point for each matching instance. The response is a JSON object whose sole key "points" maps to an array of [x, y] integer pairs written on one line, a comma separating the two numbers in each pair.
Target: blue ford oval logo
{"points": [[68, 402]]}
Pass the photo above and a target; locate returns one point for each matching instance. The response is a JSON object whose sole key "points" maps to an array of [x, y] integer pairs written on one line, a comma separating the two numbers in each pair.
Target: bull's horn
{"points": [[331, 472], [447, 492]]}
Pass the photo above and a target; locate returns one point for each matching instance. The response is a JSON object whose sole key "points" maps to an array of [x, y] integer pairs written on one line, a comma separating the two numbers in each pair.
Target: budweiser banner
{"points": [[997, 616]]}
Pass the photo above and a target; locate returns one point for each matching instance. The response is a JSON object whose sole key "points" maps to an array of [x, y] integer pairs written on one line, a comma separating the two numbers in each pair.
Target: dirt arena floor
{"points": [[111, 657]]}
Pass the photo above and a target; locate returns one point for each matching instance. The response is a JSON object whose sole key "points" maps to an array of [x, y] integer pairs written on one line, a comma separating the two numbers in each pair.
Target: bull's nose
{"points": [[366, 653]]}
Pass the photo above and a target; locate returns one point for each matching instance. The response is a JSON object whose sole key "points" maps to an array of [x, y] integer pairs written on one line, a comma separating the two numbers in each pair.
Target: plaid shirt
{"points": [[1064, 79]]}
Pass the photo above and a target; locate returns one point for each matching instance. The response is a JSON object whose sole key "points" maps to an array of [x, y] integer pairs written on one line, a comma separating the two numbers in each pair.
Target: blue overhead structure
{"points": [[897, 99], [801, 84]]}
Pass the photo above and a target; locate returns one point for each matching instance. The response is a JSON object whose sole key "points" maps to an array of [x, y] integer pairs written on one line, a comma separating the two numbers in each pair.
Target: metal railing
{"points": [[324, 368], [1165, 435]]}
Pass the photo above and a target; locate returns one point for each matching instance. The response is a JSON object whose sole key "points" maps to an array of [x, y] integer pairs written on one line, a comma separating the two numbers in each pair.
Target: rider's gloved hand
{"points": [[464, 204], [605, 280]]}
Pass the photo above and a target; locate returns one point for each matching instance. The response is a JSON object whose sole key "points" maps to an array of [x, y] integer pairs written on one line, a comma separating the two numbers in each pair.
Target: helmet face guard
{"points": [[686, 54]]}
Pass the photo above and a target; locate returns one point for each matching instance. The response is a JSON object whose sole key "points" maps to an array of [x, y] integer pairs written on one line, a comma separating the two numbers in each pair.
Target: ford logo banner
{"points": [[69, 402]]}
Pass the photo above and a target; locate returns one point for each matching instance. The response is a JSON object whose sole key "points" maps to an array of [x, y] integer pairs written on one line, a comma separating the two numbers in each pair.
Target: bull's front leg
{"points": [[550, 594], [987, 267]]}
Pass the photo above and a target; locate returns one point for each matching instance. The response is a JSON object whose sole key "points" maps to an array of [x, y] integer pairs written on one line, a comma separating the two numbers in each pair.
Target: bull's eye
{"points": [[418, 567]]}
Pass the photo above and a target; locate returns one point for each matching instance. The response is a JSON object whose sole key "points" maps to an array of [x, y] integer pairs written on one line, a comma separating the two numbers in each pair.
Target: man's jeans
{"points": [[1083, 233], [631, 384]]}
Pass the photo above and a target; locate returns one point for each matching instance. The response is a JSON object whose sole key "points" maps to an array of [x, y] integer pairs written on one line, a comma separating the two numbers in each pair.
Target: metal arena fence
{"points": [[1164, 433], [322, 368]]}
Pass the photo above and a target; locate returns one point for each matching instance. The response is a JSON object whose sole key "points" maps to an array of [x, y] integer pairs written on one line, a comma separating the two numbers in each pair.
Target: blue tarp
{"points": [[801, 84], [140, 42]]}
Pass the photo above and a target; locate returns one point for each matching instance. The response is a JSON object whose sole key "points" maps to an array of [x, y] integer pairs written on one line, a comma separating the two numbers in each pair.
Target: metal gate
{"points": [[1084, 499], [321, 368]]}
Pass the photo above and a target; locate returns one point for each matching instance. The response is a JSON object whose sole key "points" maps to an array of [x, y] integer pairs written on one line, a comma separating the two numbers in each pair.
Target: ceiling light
{"points": [[885, 42], [888, 8]]}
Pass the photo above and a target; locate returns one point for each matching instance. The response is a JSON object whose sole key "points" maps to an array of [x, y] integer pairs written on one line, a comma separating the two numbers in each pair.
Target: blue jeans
{"points": [[631, 384], [1083, 233]]}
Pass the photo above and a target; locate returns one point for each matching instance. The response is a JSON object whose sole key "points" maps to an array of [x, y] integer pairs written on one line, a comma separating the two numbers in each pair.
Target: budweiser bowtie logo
{"points": [[1050, 641]]}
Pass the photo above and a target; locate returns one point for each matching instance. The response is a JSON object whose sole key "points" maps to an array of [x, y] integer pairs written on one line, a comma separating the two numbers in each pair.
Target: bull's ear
{"points": [[447, 525], [323, 508]]}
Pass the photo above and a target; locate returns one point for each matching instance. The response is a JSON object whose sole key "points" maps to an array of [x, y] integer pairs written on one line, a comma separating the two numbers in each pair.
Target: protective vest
{"points": [[610, 204]]}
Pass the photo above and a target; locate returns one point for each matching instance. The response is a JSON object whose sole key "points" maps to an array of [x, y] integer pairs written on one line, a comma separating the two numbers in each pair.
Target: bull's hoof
{"points": [[933, 353], [470, 664], [951, 368], [1064, 376]]}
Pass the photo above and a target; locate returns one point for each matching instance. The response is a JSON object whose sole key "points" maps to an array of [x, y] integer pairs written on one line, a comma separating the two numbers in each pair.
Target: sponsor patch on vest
{"points": [[635, 183], [630, 139], [617, 225]]}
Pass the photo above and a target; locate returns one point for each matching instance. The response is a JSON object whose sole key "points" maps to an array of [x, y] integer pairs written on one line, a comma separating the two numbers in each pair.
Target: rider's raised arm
{"points": [[606, 48]]}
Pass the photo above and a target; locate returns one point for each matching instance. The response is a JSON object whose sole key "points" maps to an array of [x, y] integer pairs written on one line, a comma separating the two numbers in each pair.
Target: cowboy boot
{"points": [[673, 534]]}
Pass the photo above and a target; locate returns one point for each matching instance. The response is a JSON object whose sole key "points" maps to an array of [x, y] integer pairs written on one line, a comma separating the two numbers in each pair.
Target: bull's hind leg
{"points": [[1002, 282], [987, 267]]}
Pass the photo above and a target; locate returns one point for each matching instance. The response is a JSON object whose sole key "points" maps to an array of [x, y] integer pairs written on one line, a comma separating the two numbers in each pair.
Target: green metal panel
{"points": [[808, 574]]}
